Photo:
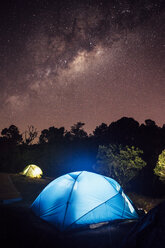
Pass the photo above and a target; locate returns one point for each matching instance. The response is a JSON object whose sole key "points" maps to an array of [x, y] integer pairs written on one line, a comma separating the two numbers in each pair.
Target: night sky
{"points": [[92, 61]]}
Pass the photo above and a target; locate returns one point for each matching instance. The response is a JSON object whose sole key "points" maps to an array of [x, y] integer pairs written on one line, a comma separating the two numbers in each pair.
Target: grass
{"points": [[145, 202], [29, 188]]}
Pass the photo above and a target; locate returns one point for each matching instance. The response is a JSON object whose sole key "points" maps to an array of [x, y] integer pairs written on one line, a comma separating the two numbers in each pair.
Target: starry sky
{"points": [[92, 61]]}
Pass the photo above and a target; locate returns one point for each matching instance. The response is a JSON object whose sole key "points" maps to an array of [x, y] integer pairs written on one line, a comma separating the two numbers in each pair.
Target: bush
{"points": [[120, 163], [160, 167]]}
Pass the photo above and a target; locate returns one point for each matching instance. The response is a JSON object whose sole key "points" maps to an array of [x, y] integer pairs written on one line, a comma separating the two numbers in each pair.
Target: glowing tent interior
{"points": [[32, 171], [82, 198]]}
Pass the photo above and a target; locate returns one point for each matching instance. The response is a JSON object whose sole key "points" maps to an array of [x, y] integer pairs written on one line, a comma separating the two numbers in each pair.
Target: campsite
{"points": [[82, 130], [22, 228], [79, 190]]}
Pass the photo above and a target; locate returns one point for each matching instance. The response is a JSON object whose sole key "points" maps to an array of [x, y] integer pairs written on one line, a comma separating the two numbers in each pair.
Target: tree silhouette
{"points": [[30, 135], [59, 151], [150, 141], [150, 123], [77, 131], [101, 134], [12, 135], [124, 131], [52, 135]]}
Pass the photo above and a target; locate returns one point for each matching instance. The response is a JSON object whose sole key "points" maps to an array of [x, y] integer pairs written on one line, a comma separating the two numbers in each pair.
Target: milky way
{"points": [[92, 61]]}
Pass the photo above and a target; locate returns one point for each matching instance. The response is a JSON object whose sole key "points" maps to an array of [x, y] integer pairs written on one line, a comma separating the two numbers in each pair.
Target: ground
{"points": [[20, 227]]}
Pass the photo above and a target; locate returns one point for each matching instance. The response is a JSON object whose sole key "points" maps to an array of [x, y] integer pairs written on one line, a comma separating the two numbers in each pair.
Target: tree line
{"points": [[58, 151]]}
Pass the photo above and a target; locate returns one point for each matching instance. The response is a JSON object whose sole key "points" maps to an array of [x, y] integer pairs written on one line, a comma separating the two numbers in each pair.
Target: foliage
{"points": [[120, 163], [12, 135], [58, 151], [77, 131], [51, 135], [30, 135], [160, 167]]}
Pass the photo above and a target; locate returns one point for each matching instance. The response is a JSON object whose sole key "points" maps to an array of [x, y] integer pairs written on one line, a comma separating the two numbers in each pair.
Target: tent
{"points": [[82, 198], [32, 171]]}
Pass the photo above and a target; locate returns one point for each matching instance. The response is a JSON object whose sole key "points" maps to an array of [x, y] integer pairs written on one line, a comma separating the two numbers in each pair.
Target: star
{"points": [[91, 61]]}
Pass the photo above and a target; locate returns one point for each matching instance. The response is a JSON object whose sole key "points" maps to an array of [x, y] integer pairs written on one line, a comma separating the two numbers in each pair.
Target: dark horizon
{"points": [[67, 127], [123, 120]]}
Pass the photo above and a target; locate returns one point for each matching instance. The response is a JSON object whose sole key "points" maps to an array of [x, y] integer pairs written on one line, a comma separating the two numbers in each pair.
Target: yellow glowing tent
{"points": [[32, 171]]}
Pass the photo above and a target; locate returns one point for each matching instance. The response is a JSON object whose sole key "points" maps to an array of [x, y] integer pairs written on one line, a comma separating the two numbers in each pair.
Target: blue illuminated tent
{"points": [[82, 198]]}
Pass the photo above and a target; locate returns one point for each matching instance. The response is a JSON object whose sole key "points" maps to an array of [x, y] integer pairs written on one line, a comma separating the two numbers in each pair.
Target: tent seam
{"points": [[28, 169], [50, 210], [111, 184], [93, 209], [69, 198], [73, 177], [123, 208]]}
